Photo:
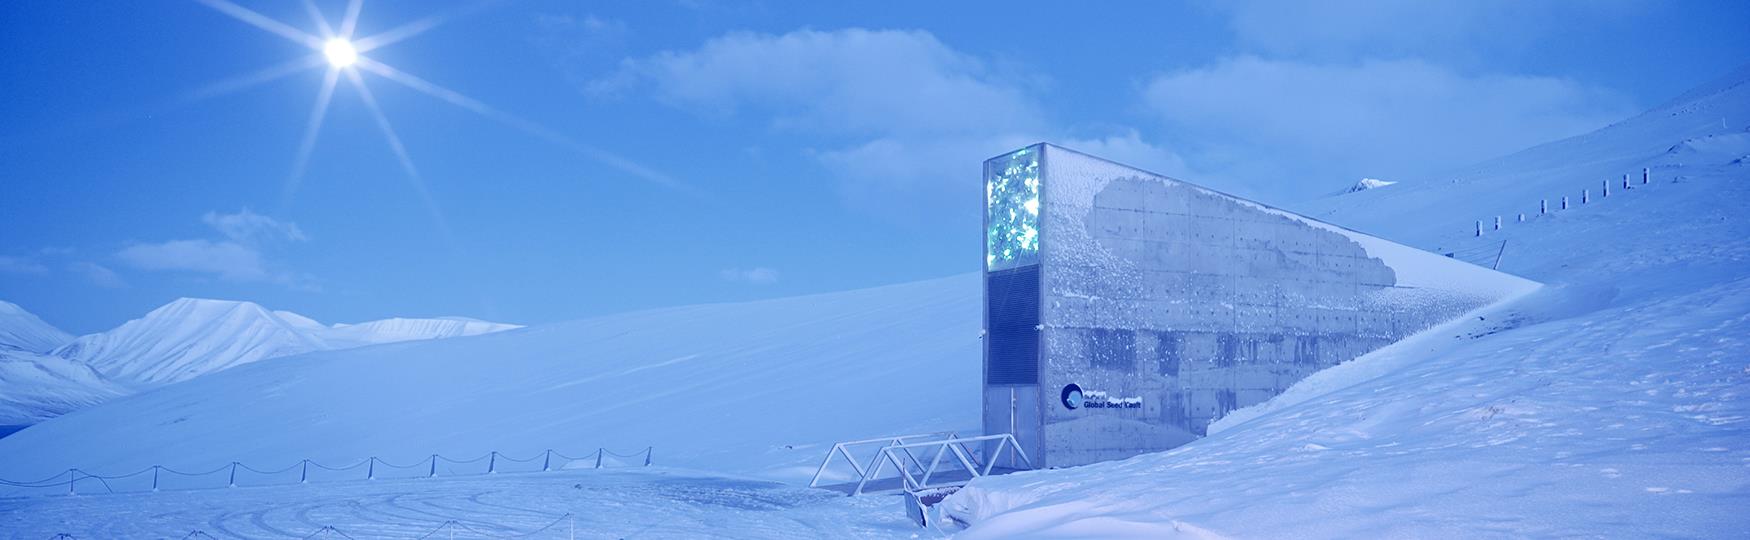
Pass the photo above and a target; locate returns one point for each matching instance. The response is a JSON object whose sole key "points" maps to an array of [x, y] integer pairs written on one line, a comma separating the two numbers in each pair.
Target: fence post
{"points": [[70, 490], [1522, 217], [1585, 196], [1606, 188], [1564, 202], [154, 478], [233, 474], [1479, 227], [1625, 181], [1645, 174], [371, 473], [492, 464], [1497, 223], [648, 450], [304, 475], [547, 462], [598, 457], [1543, 206], [433, 467]]}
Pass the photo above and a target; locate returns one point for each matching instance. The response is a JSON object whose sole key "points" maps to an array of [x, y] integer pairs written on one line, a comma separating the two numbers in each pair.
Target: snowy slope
{"points": [[36, 387], [760, 387], [21, 330], [1612, 404], [1684, 217], [188, 338]]}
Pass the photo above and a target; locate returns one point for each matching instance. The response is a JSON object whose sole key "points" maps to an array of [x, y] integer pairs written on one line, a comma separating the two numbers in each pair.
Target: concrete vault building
{"points": [[1125, 311]]}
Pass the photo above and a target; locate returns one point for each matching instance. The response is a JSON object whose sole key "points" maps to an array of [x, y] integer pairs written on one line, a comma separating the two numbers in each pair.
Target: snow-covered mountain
{"points": [[182, 340], [1612, 404], [36, 387], [192, 337], [20, 330], [399, 329], [188, 338]]}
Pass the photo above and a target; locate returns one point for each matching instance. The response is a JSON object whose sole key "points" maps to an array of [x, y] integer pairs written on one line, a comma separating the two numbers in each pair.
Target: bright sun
{"points": [[340, 52]]}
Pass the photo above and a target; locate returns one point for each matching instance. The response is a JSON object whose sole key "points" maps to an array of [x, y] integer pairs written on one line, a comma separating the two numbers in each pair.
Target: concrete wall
{"points": [[1176, 304]]}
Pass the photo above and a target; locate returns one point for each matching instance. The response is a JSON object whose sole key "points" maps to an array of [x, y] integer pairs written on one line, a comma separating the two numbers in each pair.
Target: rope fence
{"points": [[158, 477], [452, 527]]}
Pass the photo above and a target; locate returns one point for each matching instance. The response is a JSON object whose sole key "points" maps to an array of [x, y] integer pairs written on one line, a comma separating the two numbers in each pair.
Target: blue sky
{"points": [[593, 158]]}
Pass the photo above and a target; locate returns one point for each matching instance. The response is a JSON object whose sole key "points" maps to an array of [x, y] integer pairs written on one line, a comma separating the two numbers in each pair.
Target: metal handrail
{"points": [[903, 452], [962, 455], [844, 449]]}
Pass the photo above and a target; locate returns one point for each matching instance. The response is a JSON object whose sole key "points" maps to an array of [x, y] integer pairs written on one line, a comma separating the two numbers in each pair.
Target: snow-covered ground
{"points": [[759, 388], [1615, 403], [606, 503], [1625, 422]]}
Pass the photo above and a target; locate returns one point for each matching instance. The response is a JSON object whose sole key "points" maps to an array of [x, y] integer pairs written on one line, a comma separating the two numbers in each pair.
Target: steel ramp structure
{"points": [[912, 463]]}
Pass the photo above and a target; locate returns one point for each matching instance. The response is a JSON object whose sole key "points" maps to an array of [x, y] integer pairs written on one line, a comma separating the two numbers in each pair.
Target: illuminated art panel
{"points": [[1011, 203]]}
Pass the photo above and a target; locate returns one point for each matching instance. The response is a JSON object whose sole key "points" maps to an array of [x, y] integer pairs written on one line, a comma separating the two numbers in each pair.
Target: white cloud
{"points": [[237, 256], [845, 81], [1129, 148], [1464, 30], [226, 259], [910, 118], [98, 274], [21, 265], [582, 43], [252, 228], [1303, 128], [756, 276]]}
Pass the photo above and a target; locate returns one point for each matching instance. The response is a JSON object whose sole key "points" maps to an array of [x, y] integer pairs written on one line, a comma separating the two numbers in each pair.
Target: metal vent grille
{"points": [[1012, 302]]}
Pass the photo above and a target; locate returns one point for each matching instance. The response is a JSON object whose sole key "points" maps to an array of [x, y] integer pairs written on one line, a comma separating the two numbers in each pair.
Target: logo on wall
{"points": [[1074, 397]]}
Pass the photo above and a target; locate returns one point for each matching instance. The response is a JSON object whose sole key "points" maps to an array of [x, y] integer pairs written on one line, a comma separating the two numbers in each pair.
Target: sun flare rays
{"points": [[308, 143], [344, 54]]}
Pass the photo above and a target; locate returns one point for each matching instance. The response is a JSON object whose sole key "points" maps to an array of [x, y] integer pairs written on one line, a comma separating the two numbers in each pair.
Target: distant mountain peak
{"points": [[22, 330], [1369, 183], [190, 337]]}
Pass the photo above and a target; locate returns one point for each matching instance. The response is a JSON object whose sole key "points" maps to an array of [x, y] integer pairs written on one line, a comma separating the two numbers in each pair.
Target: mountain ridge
{"points": [[192, 337], [24, 331]]}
